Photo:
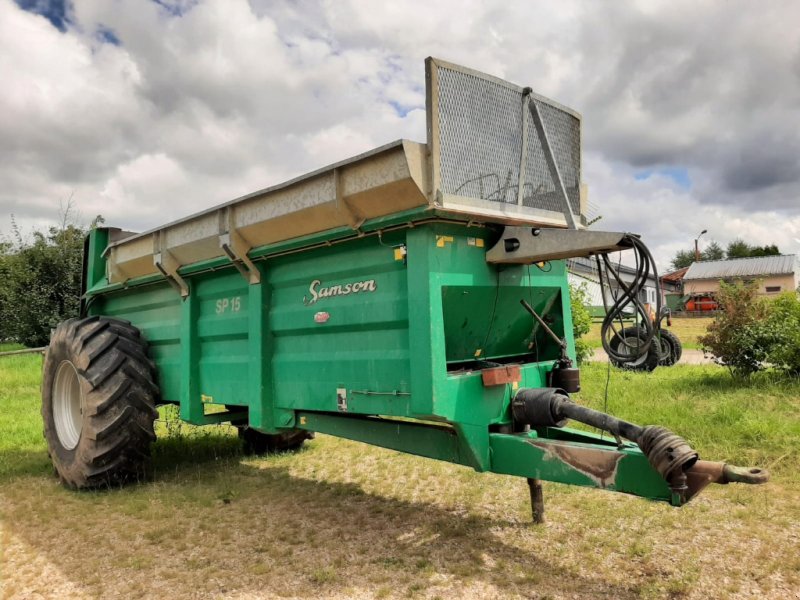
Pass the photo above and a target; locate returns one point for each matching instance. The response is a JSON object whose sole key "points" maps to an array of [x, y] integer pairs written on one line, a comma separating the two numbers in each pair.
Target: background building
{"points": [[775, 274], [583, 271]]}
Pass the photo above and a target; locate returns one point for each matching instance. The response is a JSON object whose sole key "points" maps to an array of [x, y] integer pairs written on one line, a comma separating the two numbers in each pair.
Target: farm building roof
{"points": [[675, 276], [743, 267]]}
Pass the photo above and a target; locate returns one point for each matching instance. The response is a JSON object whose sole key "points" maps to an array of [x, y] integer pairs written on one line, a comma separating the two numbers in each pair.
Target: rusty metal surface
{"points": [[598, 465], [537, 499], [669, 453], [706, 472], [701, 475], [750, 475]]}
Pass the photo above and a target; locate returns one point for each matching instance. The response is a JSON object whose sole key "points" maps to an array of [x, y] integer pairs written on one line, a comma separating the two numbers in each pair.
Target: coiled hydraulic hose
{"points": [[631, 349]]}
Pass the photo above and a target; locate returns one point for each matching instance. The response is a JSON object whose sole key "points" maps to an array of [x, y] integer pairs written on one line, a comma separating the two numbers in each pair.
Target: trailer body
{"points": [[378, 300]]}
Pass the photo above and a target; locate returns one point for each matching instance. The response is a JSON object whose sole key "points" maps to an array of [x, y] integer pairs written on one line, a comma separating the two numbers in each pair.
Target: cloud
{"points": [[670, 216], [148, 111]]}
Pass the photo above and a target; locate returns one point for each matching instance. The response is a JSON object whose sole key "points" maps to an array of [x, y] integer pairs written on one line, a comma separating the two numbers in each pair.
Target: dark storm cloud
{"points": [[765, 166]]}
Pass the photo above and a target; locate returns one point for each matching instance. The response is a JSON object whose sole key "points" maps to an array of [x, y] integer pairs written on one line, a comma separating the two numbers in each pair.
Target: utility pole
{"points": [[696, 249]]}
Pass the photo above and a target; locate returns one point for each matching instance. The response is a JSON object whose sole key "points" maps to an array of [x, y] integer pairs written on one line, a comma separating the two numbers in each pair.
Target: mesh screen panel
{"points": [[480, 125]]}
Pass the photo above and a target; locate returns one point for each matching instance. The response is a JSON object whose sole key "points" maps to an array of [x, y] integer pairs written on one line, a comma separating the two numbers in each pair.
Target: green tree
{"points": [[682, 259], [40, 281], [738, 248], [712, 252], [768, 250], [5, 296], [581, 320]]}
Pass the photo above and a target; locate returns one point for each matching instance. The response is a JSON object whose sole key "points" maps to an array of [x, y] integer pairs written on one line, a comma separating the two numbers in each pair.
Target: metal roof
{"points": [[743, 267], [675, 276]]}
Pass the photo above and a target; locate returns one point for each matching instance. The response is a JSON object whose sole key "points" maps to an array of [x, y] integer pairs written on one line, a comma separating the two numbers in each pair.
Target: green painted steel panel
{"points": [[390, 325], [221, 326], [489, 322], [578, 463], [339, 318], [156, 311]]}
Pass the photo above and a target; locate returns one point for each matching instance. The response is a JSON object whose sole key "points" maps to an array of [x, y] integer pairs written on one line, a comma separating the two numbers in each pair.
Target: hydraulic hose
{"points": [[632, 349]]}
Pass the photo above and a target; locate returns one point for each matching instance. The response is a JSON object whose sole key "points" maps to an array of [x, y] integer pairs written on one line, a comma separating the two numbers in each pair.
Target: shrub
{"points": [[581, 320], [783, 326], [738, 338], [752, 332]]}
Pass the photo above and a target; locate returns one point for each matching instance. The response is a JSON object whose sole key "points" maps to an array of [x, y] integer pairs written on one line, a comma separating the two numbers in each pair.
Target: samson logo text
{"points": [[318, 293]]}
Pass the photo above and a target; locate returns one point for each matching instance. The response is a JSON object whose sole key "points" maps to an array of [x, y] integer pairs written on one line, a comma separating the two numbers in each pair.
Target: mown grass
{"points": [[688, 329], [7, 347], [341, 519]]}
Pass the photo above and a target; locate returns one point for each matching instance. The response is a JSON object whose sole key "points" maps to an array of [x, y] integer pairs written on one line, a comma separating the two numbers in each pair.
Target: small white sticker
{"points": [[341, 399]]}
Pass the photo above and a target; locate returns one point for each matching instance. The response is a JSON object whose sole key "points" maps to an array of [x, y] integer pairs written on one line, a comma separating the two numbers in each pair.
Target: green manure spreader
{"points": [[414, 297]]}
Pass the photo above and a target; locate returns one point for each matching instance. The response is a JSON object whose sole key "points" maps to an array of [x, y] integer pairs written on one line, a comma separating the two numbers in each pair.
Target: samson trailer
{"points": [[413, 297]]}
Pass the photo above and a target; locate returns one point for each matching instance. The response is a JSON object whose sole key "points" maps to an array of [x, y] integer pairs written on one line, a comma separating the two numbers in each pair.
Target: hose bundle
{"points": [[634, 348]]}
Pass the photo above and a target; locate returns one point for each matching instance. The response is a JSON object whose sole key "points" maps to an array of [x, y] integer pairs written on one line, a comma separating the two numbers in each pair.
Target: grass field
{"points": [[687, 329], [344, 520]]}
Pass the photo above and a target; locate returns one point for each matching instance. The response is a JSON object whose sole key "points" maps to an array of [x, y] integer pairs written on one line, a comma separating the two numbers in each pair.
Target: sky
{"points": [[145, 111]]}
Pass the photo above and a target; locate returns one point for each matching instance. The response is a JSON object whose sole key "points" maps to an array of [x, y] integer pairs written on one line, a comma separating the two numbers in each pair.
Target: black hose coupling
{"points": [[540, 407]]}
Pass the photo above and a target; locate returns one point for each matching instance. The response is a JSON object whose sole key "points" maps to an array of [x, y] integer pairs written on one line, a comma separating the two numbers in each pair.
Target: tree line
{"points": [[738, 248], [40, 279]]}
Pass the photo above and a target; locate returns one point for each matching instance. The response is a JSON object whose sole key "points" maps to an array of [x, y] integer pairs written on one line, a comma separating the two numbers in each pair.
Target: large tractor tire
{"points": [[625, 342], [255, 442], [99, 394], [676, 348]]}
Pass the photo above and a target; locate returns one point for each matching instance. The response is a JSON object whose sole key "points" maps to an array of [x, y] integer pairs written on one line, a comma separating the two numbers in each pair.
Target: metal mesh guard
{"points": [[480, 142]]}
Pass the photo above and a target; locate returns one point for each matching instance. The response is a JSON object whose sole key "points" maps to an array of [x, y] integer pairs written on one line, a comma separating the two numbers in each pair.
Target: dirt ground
{"points": [[689, 357], [342, 519]]}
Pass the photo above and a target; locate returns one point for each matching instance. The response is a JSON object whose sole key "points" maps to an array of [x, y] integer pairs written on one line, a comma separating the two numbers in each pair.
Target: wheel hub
{"points": [[630, 346], [68, 405]]}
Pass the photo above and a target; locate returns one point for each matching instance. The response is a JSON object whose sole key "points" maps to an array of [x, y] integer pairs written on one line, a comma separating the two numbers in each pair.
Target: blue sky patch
{"points": [[401, 109], [107, 36], [679, 175], [55, 11]]}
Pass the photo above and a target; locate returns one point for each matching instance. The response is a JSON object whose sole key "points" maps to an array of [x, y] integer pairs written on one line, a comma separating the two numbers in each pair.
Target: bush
{"points": [[783, 326], [736, 338], [752, 333], [581, 320]]}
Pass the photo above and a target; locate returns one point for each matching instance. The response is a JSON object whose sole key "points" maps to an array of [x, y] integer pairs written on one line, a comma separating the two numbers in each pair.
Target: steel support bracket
{"points": [[236, 248], [552, 165], [526, 245], [354, 218], [168, 266]]}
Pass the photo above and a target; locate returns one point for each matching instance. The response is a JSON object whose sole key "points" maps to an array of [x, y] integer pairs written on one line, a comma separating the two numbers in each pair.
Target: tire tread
{"points": [[120, 400]]}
